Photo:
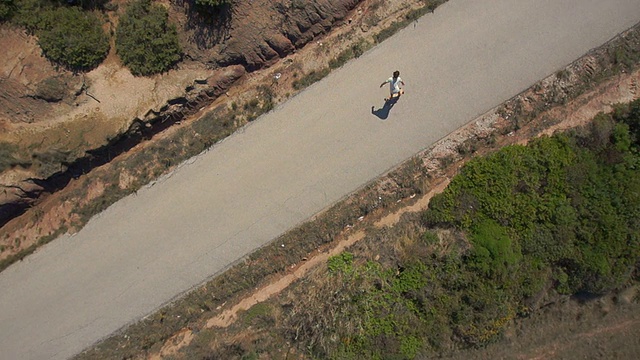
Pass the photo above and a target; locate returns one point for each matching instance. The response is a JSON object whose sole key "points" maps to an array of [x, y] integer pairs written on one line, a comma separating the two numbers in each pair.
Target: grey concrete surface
{"points": [[466, 58]]}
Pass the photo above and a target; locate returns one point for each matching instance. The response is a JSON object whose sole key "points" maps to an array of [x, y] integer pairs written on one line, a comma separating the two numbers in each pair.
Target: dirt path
{"points": [[290, 164]]}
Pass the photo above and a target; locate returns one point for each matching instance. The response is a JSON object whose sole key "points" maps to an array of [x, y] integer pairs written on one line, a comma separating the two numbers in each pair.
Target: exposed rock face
{"points": [[219, 82], [262, 31], [308, 19]]}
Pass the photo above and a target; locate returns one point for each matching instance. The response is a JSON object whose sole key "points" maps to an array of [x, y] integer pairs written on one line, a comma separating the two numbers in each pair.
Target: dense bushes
{"points": [[6, 9], [145, 41], [569, 201], [72, 37], [29, 13], [68, 36], [212, 3]]}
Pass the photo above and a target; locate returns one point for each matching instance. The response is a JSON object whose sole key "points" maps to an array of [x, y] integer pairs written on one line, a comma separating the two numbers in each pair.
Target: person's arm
{"points": [[386, 81]]}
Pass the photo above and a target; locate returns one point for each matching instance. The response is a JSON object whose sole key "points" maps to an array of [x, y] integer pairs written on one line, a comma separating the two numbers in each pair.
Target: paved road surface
{"points": [[468, 57]]}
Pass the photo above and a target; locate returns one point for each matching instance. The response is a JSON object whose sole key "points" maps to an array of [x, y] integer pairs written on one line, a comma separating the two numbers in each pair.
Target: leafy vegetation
{"points": [[72, 37], [145, 41], [6, 9], [568, 202], [29, 13], [342, 263], [212, 3], [68, 35]]}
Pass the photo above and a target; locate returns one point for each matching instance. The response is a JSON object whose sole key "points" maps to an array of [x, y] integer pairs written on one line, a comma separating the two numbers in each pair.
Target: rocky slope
{"points": [[257, 33]]}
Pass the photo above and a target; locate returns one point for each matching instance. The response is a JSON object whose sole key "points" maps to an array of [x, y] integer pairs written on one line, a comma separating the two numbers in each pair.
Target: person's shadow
{"points": [[383, 112]]}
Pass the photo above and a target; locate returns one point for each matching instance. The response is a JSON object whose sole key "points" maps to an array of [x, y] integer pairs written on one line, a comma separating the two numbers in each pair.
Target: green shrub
{"points": [[494, 253], [145, 41], [67, 36], [90, 4], [29, 13], [7, 8], [341, 263], [570, 202], [629, 114], [212, 3]]}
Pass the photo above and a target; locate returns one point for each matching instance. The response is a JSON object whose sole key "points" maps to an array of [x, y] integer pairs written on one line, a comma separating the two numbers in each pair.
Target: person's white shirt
{"points": [[394, 84]]}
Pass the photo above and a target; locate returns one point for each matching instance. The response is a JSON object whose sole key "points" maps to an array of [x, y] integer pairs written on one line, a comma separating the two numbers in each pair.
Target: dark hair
{"points": [[396, 74]]}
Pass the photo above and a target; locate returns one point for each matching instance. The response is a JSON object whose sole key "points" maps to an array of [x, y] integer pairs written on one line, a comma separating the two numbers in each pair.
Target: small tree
{"points": [[145, 41], [212, 3], [6, 9], [212, 9], [72, 38], [30, 13]]}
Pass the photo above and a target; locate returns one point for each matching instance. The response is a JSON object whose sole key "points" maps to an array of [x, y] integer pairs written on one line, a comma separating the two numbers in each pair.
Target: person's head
{"points": [[396, 74]]}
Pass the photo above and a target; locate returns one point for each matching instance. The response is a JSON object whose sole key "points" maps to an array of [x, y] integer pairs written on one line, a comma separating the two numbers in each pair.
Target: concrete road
{"points": [[468, 57]]}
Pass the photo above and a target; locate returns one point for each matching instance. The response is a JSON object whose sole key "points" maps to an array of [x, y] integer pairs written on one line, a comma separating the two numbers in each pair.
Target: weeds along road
{"points": [[467, 57]]}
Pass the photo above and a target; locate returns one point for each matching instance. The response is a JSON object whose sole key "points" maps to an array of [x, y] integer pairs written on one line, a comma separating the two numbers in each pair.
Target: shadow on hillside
{"points": [[209, 26]]}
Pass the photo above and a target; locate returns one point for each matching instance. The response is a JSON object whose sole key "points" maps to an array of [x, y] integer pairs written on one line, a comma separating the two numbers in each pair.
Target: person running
{"points": [[394, 85]]}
